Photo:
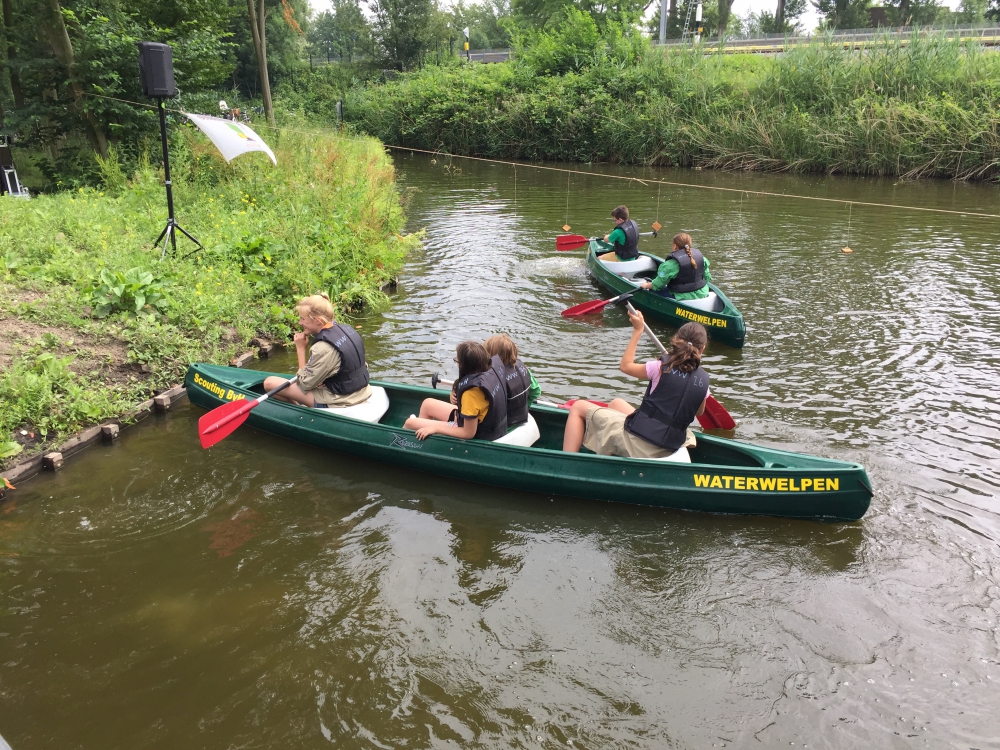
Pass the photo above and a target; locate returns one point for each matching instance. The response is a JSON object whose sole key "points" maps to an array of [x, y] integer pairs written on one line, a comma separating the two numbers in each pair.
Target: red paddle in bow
{"points": [[715, 416], [593, 306], [222, 421], [566, 242]]}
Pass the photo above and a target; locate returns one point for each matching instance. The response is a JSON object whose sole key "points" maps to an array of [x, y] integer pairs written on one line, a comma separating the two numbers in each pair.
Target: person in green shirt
{"points": [[684, 274], [624, 238]]}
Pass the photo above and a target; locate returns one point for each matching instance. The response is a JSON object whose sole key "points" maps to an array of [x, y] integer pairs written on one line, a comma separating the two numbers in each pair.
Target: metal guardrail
{"points": [[988, 35]]}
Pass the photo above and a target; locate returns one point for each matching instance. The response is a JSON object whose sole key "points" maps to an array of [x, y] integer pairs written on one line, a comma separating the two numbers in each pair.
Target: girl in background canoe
{"points": [[522, 388], [336, 373], [624, 237], [480, 395], [676, 394], [683, 274]]}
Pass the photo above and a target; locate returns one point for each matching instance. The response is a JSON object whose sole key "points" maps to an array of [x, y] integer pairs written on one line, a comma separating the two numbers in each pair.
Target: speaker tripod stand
{"points": [[169, 233]]}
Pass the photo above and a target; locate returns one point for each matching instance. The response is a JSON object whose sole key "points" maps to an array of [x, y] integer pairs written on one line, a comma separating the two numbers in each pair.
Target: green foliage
{"points": [[398, 28], [41, 391], [927, 107], [9, 448], [130, 292], [571, 46], [327, 217]]}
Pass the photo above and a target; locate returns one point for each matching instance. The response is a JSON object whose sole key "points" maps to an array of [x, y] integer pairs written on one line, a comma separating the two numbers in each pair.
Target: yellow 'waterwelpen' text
{"points": [[768, 484]]}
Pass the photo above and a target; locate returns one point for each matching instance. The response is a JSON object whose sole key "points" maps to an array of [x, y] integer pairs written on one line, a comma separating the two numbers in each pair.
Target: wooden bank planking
{"points": [[110, 431], [107, 432]]}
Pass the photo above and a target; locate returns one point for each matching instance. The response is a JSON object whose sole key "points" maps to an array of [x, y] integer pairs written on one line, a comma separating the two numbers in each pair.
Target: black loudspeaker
{"points": [[156, 70]]}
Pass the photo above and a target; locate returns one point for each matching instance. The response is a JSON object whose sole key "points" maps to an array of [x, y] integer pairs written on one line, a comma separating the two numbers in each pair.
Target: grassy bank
{"points": [[928, 108], [91, 322]]}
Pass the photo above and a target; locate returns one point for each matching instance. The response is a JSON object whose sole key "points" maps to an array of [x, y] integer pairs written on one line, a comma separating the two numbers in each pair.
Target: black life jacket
{"points": [[353, 373], [664, 415], [495, 423], [630, 249], [689, 279], [517, 381]]}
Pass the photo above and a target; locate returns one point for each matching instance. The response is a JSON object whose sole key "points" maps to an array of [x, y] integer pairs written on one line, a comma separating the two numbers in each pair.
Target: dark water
{"points": [[269, 595]]}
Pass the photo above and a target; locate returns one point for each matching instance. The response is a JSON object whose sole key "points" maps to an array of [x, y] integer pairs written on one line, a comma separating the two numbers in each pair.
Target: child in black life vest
{"points": [[479, 394], [676, 394]]}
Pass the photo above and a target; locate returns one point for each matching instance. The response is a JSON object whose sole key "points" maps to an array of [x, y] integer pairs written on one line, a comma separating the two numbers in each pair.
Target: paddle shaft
{"points": [[661, 347], [247, 407], [435, 380]]}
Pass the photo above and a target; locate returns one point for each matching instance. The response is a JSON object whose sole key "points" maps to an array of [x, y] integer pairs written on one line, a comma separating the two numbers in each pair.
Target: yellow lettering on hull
{"points": [[705, 320], [215, 388], [767, 484]]}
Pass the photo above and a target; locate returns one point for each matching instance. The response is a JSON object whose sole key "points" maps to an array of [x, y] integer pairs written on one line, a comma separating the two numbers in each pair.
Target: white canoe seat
{"points": [[680, 456], [524, 435], [370, 410], [629, 268], [711, 303]]}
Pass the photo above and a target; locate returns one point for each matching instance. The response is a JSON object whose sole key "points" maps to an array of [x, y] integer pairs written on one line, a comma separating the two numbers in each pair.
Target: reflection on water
{"points": [[265, 594]]}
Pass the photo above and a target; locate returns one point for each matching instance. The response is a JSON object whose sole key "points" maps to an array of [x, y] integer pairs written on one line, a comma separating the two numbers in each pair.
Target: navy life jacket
{"points": [[495, 423], [517, 381], [664, 415], [630, 249], [353, 373], [689, 279]]}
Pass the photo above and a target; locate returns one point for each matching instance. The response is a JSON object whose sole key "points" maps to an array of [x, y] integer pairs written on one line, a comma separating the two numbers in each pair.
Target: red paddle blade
{"points": [[570, 241], [574, 400], [716, 417], [222, 421], [584, 308]]}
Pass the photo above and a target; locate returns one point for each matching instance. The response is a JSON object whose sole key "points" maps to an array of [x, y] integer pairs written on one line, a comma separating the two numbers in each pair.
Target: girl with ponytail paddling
{"points": [[676, 394], [336, 373], [684, 274]]}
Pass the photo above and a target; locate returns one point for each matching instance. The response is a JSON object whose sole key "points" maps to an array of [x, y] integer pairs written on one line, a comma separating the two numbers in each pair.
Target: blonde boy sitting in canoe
{"points": [[336, 373]]}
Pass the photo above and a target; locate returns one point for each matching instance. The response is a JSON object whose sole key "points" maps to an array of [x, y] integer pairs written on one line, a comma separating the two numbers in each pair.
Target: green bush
{"points": [[130, 292], [924, 106]]}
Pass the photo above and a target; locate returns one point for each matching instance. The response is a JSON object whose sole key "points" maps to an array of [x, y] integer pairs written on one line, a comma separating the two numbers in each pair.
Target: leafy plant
{"points": [[10, 448], [129, 292]]}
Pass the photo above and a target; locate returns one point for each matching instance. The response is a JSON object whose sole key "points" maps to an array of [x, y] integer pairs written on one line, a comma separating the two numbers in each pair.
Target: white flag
{"points": [[231, 138]]}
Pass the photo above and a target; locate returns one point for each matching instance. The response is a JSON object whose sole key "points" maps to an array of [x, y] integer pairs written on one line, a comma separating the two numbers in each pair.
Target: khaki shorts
{"points": [[605, 434]]}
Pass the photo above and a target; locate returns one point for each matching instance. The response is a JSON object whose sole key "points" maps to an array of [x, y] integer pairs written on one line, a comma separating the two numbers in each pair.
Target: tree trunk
{"points": [[257, 19], [62, 47], [779, 17], [724, 8], [15, 79]]}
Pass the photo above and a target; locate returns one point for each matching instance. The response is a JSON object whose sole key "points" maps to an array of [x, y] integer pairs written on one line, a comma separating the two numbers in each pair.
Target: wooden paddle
{"points": [[436, 379], [594, 305], [223, 420], [566, 242], [715, 416]]}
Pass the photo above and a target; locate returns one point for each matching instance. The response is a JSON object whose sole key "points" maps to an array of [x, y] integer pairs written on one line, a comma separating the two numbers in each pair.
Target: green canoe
{"points": [[727, 476], [724, 324]]}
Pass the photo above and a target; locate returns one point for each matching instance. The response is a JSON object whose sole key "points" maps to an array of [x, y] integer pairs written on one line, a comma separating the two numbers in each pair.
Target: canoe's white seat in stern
{"points": [[524, 435], [680, 456], [629, 268], [711, 303], [367, 411]]}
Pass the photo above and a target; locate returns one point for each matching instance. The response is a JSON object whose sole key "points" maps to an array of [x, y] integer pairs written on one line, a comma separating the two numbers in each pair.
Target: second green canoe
{"points": [[724, 323]]}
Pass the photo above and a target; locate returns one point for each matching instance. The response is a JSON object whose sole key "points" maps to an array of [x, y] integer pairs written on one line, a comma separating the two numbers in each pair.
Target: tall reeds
{"points": [[922, 106]]}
